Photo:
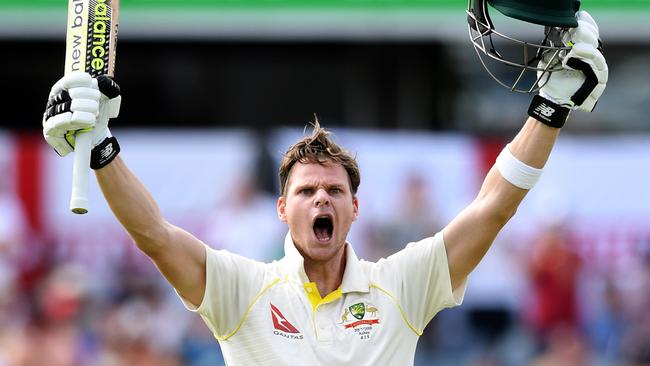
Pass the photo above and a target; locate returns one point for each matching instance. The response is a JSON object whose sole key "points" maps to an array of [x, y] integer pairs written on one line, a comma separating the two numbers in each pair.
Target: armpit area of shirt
{"points": [[188, 305], [457, 294]]}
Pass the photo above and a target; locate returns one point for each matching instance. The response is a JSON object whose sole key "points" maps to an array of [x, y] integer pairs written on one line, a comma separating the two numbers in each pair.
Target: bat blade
{"points": [[90, 47], [92, 36]]}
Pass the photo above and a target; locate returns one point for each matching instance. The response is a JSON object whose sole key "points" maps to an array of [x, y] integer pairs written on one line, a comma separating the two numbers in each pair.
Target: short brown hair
{"points": [[318, 148]]}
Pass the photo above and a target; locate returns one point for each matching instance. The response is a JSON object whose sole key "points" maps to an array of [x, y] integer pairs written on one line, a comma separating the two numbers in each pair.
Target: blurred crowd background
{"points": [[214, 92]]}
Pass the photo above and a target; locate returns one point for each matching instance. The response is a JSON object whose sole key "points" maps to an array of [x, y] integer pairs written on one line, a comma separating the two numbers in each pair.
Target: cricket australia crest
{"points": [[358, 310], [360, 318]]}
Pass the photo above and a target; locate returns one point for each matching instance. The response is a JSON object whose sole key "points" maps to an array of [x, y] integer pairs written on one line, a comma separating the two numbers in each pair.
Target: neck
{"points": [[327, 275]]}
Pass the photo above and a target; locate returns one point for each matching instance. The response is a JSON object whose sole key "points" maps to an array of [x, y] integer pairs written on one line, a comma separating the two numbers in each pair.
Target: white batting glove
{"points": [[583, 79], [77, 102]]}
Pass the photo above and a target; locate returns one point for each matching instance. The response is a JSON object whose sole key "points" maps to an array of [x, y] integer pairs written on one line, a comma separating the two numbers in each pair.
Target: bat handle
{"points": [[79, 198]]}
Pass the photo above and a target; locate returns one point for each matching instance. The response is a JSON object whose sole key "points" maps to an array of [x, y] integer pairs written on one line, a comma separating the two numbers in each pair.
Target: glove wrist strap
{"points": [[104, 153], [548, 112]]}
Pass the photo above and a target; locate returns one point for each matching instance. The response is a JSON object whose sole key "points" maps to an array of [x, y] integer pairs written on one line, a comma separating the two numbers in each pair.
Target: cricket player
{"points": [[320, 304]]}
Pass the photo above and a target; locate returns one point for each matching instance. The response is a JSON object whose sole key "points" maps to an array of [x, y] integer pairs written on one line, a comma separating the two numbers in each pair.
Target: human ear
{"points": [[281, 207]]}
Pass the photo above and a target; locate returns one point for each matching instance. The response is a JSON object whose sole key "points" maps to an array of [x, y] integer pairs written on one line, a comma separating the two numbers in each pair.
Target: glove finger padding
{"points": [[69, 121], [84, 105], [72, 80], [59, 143], [73, 105], [586, 32], [84, 93]]}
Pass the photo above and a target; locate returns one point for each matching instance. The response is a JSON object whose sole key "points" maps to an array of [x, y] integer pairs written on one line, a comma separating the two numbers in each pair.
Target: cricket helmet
{"points": [[514, 62]]}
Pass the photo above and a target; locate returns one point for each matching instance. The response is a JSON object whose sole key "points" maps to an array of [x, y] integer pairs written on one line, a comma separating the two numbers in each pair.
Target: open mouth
{"points": [[323, 228]]}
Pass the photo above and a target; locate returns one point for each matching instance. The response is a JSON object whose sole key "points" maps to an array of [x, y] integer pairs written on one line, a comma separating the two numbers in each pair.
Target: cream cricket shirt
{"points": [[270, 314]]}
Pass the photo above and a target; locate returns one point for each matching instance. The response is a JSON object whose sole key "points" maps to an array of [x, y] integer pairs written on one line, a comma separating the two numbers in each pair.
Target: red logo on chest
{"points": [[280, 322]]}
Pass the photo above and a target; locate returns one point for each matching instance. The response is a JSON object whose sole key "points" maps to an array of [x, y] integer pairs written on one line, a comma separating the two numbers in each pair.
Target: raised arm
{"points": [[79, 102], [470, 234], [577, 86], [179, 256]]}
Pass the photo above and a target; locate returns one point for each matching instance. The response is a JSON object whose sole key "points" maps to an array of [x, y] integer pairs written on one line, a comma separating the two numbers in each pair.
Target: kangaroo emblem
{"points": [[344, 317]]}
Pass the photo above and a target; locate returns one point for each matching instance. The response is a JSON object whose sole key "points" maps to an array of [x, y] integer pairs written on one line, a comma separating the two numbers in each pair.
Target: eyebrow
{"points": [[327, 186]]}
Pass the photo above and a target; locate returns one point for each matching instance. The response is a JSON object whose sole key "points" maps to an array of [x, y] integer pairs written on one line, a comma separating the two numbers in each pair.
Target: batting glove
{"points": [[79, 103], [581, 81]]}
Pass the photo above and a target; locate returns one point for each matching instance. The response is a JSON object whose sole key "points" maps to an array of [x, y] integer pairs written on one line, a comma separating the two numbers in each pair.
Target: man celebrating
{"points": [[320, 304]]}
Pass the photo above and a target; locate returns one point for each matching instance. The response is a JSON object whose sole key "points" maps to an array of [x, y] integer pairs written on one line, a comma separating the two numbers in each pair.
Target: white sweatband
{"points": [[515, 171]]}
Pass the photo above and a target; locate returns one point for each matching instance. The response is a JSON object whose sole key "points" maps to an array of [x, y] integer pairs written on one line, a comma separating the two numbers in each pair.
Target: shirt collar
{"points": [[355, 278]]}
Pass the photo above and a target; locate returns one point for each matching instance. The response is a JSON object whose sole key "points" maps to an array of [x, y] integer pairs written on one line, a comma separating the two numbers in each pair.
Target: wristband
{"points": [[104, 153], [547, 112], [515, 171]]}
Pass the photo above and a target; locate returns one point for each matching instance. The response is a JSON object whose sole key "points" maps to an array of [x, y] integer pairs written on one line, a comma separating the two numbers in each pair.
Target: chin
{"points": [[321, 251]]}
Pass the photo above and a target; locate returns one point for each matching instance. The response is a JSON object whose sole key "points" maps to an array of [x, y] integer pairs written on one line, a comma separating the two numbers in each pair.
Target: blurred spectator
{"points": [[553, 271], [608, 324], [496, 290], [199, 347], [13, 223], [415, 217], [13, 230], [53, 329], [636, 340], [135, 329], [246, 224], [565, 346], [130, 336]]}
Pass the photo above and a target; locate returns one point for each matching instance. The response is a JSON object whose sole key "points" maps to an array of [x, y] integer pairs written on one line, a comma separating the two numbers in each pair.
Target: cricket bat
{"points": [[90, 47]]}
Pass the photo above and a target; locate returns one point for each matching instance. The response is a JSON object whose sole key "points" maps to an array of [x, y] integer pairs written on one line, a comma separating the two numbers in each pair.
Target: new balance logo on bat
{"points": [[545, 110]]}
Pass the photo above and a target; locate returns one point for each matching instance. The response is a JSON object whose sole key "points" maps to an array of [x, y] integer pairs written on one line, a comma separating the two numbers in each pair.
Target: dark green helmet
{"points": [[494, 47], [552, 13]]}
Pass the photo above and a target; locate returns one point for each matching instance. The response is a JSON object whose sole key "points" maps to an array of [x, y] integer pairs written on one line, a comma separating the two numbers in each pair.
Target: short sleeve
{"points": [[419, 275], [232, 282]]}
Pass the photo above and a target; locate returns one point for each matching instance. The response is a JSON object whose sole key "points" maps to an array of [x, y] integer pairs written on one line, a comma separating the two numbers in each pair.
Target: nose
{"points": [[322, 198]]}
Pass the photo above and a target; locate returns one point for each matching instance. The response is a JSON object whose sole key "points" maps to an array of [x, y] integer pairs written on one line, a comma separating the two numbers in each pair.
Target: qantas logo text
{"points": [[282, 326]]}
